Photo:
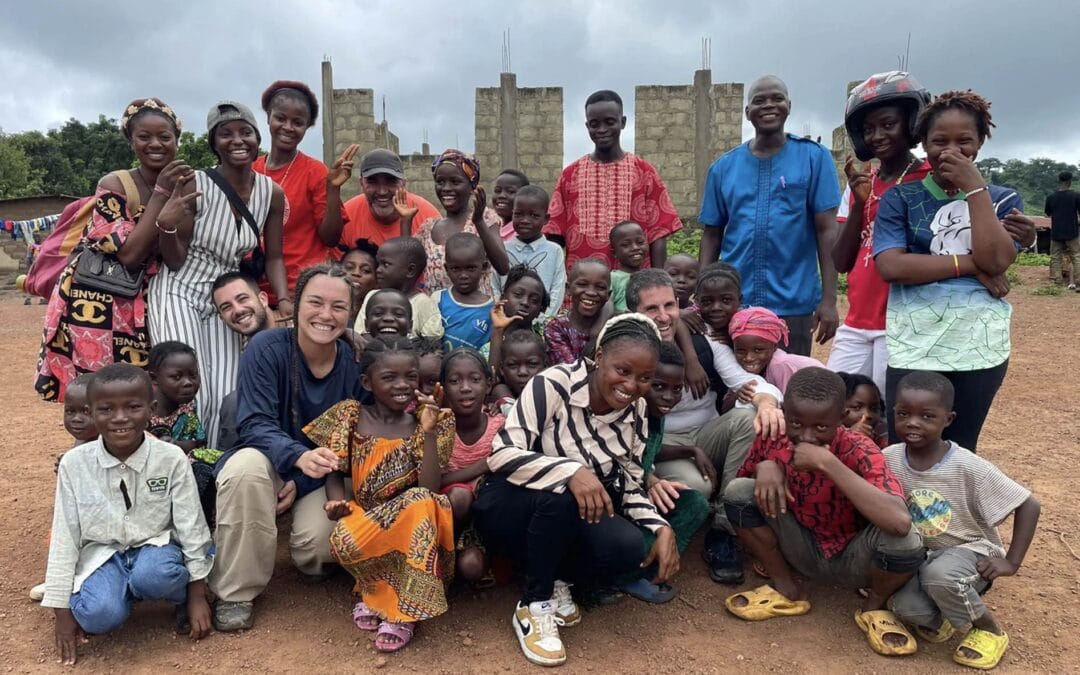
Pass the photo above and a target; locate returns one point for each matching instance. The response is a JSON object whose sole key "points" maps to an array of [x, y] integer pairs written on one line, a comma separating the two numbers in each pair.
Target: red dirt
{"points": [[1033, 433]]}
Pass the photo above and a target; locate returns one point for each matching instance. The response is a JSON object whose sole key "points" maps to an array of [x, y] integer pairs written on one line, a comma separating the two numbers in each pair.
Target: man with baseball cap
{"points": [[372, 214]]}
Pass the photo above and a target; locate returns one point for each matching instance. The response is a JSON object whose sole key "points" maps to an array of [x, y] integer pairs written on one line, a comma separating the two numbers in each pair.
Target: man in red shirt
{"points": [[823, 501], [372, 214]]}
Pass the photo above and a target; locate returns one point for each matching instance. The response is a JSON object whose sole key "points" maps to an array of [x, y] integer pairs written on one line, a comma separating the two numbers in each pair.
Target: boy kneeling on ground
{"points": [[822, 500], [120, 500]]}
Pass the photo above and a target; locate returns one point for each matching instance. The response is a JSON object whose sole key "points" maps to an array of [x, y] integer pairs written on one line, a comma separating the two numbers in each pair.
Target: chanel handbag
{"points": [[104, 272]]}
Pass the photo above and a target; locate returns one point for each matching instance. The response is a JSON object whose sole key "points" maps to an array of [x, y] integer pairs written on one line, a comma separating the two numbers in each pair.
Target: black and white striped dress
{"points": [[179, 303], [550, 433]]}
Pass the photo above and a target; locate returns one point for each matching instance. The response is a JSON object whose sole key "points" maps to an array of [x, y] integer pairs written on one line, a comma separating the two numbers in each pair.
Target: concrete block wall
{"points": [[418, 173], [519, 128], [683, 129], [353, 122]]}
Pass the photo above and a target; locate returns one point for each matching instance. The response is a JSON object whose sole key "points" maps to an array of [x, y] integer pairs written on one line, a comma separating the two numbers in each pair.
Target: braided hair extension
{"points": [[306, 276], [380, 346], [465, 353], [523, 271], [967, 101]]}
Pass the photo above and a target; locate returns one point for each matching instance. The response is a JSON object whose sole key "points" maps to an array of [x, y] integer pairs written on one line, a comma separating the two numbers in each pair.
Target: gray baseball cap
{"points": [[229, 111], [379, 161]]}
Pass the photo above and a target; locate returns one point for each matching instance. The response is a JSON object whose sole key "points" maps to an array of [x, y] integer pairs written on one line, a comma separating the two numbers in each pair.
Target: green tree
{"points": [[196, 151], [1033, 179], [17, 175]]}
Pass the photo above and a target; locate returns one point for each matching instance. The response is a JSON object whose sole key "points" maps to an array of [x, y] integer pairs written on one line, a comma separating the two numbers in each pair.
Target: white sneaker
{"points": [[566, 610], [37, 593], [538, 633]]}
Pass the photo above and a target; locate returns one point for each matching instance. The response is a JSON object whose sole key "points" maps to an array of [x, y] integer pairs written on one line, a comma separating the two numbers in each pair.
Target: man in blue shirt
{"points": [[769, 209]]}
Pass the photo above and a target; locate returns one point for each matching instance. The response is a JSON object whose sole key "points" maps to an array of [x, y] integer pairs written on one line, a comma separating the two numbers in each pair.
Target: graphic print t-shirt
{"points": [[952, 325]]}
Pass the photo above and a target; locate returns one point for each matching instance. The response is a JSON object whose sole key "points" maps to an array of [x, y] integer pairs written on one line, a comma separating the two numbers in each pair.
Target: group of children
{"points": [[416, 464]]}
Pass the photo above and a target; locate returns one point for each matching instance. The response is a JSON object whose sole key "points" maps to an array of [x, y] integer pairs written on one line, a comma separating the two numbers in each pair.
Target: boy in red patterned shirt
{"points": [[821, 500]]}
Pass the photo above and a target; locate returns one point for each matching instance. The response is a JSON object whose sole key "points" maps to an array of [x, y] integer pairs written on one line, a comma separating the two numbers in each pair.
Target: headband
{"points": [[142, 104], [467, 163], [635, 316]]}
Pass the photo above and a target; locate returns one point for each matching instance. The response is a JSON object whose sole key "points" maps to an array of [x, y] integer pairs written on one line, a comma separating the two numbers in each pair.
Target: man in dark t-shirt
{"points": [[1063, 208]]}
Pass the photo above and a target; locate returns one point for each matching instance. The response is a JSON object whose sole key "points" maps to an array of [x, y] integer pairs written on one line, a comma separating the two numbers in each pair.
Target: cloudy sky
{"points": [[68, 59]]}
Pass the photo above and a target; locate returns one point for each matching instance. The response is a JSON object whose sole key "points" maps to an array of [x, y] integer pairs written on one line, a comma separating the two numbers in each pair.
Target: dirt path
{"points": [[1033, 433]]}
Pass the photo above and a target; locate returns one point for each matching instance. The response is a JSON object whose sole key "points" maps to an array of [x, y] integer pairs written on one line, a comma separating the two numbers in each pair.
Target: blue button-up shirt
{"points": [[549, 261], [767, 208]]}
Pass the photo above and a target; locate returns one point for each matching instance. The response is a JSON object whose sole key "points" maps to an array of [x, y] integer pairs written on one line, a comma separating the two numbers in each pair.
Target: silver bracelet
{"points": [[967, 195], [163, 230]]}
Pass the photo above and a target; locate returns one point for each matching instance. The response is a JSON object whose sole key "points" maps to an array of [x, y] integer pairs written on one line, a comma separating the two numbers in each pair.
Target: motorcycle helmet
{"points": [[895, 87]]}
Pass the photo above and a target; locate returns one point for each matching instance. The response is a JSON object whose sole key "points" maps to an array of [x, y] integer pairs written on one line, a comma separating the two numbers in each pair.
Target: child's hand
{"points": [[401, 204], [499, 320], [694, 322], [770, 489], [427, 408], [705, 466], [859, 181], [697, 380], [769, 421], [991, 568], [745, 393], [663, 494], [336, 510], [198, 611], [810, 457], [863, 427], [479, 204], [68, 636]]}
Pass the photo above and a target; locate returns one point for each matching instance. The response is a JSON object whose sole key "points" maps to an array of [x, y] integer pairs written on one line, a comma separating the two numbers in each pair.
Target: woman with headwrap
{"points": [[202, 235], [457, 178], [756, 336], [86, 329]]}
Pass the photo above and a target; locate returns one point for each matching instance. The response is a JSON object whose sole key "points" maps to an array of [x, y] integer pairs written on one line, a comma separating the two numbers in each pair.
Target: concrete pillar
{"points": [[328, 113], [508, 122], [703, 131]]}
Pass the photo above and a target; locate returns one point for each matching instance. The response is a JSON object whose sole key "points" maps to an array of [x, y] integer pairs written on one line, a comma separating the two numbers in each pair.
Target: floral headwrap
{"points": [[759, 322], [141, 104], [467, 163]]}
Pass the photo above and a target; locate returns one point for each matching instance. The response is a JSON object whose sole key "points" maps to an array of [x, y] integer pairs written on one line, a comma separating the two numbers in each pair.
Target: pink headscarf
{"points": [[759, 322]]}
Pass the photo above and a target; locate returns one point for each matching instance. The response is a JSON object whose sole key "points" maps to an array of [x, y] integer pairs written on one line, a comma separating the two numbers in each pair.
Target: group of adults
{"points": [[769, 209]]}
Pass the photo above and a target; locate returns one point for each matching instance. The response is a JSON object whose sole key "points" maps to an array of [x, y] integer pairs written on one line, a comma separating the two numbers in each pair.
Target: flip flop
{"points": [[990, 647], [364, 617], [763, 603], [942, 634], [877, 624], [402, 631], [656, 594]]}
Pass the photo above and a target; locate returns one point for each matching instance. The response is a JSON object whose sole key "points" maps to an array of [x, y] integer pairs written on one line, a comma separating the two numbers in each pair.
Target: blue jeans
{"points": [[104, 601]]}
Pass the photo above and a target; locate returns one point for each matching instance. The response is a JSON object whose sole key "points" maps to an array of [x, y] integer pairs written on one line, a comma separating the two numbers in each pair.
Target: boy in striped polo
{"points": [[956, 500]]}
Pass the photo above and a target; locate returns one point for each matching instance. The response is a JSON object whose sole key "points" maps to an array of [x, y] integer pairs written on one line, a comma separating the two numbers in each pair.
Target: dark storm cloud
{"points": [[62, 60]]}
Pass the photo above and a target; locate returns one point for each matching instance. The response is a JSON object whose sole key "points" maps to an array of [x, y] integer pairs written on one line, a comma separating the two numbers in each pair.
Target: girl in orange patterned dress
{"points": [[396, 534]]}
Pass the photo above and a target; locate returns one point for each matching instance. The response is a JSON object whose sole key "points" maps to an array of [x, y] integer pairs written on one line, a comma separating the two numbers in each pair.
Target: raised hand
{"points": [[402, 205], [166, 180], [859, 181], [499, 320], [960, 171], [428, 408], [341, 171], [479, 204], [179, 206]]}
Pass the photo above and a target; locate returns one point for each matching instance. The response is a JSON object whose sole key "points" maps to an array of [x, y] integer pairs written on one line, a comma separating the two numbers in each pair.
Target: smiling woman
{"points": [[204, 232]]}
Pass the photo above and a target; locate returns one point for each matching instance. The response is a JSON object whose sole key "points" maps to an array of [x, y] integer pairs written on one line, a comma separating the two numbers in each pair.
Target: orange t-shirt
{"points": [[304, 183], [362, 224]]}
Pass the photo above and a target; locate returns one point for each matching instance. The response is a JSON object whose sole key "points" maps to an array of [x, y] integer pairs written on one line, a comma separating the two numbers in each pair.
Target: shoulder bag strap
{"points": [[131, 193], [234, 199]]}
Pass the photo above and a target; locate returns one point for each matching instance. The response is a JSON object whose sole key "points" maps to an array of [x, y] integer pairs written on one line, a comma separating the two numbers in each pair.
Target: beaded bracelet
{"points": [[162, 191], [163, 230], [967, 195]]}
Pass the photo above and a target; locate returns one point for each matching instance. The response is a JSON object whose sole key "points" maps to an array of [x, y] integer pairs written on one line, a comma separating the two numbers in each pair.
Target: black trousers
{"points": [[544, 531], [800, 337], [975, 391]]}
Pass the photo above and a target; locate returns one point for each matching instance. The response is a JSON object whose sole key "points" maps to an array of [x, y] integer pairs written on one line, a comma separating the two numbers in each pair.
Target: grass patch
{"points": [[1032, 260], [1053, 291], [1014, 277]]}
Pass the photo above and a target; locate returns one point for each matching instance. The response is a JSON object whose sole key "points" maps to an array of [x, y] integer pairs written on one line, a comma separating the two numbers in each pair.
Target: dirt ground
{"points": [[1033, 433]]}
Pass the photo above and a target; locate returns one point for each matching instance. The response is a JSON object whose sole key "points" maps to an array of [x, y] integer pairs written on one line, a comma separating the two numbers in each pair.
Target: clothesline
{"points": [[26, 229]]}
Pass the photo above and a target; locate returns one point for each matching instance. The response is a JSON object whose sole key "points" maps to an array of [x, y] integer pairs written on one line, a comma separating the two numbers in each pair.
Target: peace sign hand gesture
{"points": [[179, 206], [341, 172]]}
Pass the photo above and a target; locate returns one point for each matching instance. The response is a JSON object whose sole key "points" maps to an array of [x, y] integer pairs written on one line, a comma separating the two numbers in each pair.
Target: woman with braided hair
{"points": [[288, 378], [944, 244], [567, 494]]}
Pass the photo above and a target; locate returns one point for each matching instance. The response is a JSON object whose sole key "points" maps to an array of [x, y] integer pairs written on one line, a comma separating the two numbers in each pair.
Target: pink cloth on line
{"points": [[783, 365], [465, 454]]}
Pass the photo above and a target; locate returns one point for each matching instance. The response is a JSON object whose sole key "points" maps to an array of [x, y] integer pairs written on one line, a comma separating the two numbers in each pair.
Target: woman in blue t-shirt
{"points": [[944, 244]]}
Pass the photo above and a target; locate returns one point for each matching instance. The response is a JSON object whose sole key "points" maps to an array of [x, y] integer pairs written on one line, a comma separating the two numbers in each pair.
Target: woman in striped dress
{"points": [[200, 238]]}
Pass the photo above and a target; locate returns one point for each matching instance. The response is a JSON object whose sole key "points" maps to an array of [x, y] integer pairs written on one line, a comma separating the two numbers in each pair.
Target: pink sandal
{"points": [[364, 617], [402, 631]]}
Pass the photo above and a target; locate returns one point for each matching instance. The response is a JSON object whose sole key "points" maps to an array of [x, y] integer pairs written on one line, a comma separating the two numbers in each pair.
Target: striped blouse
{"points": [[550, 433]]}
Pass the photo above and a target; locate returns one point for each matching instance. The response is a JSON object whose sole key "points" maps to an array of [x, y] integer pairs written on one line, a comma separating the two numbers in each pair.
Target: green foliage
{"points": [[17, 176], [1053, 291], [686, 240], [1013, 277], [71, 159], [1032, 260], [841, 284], [196, 151], [1033, 179]]}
